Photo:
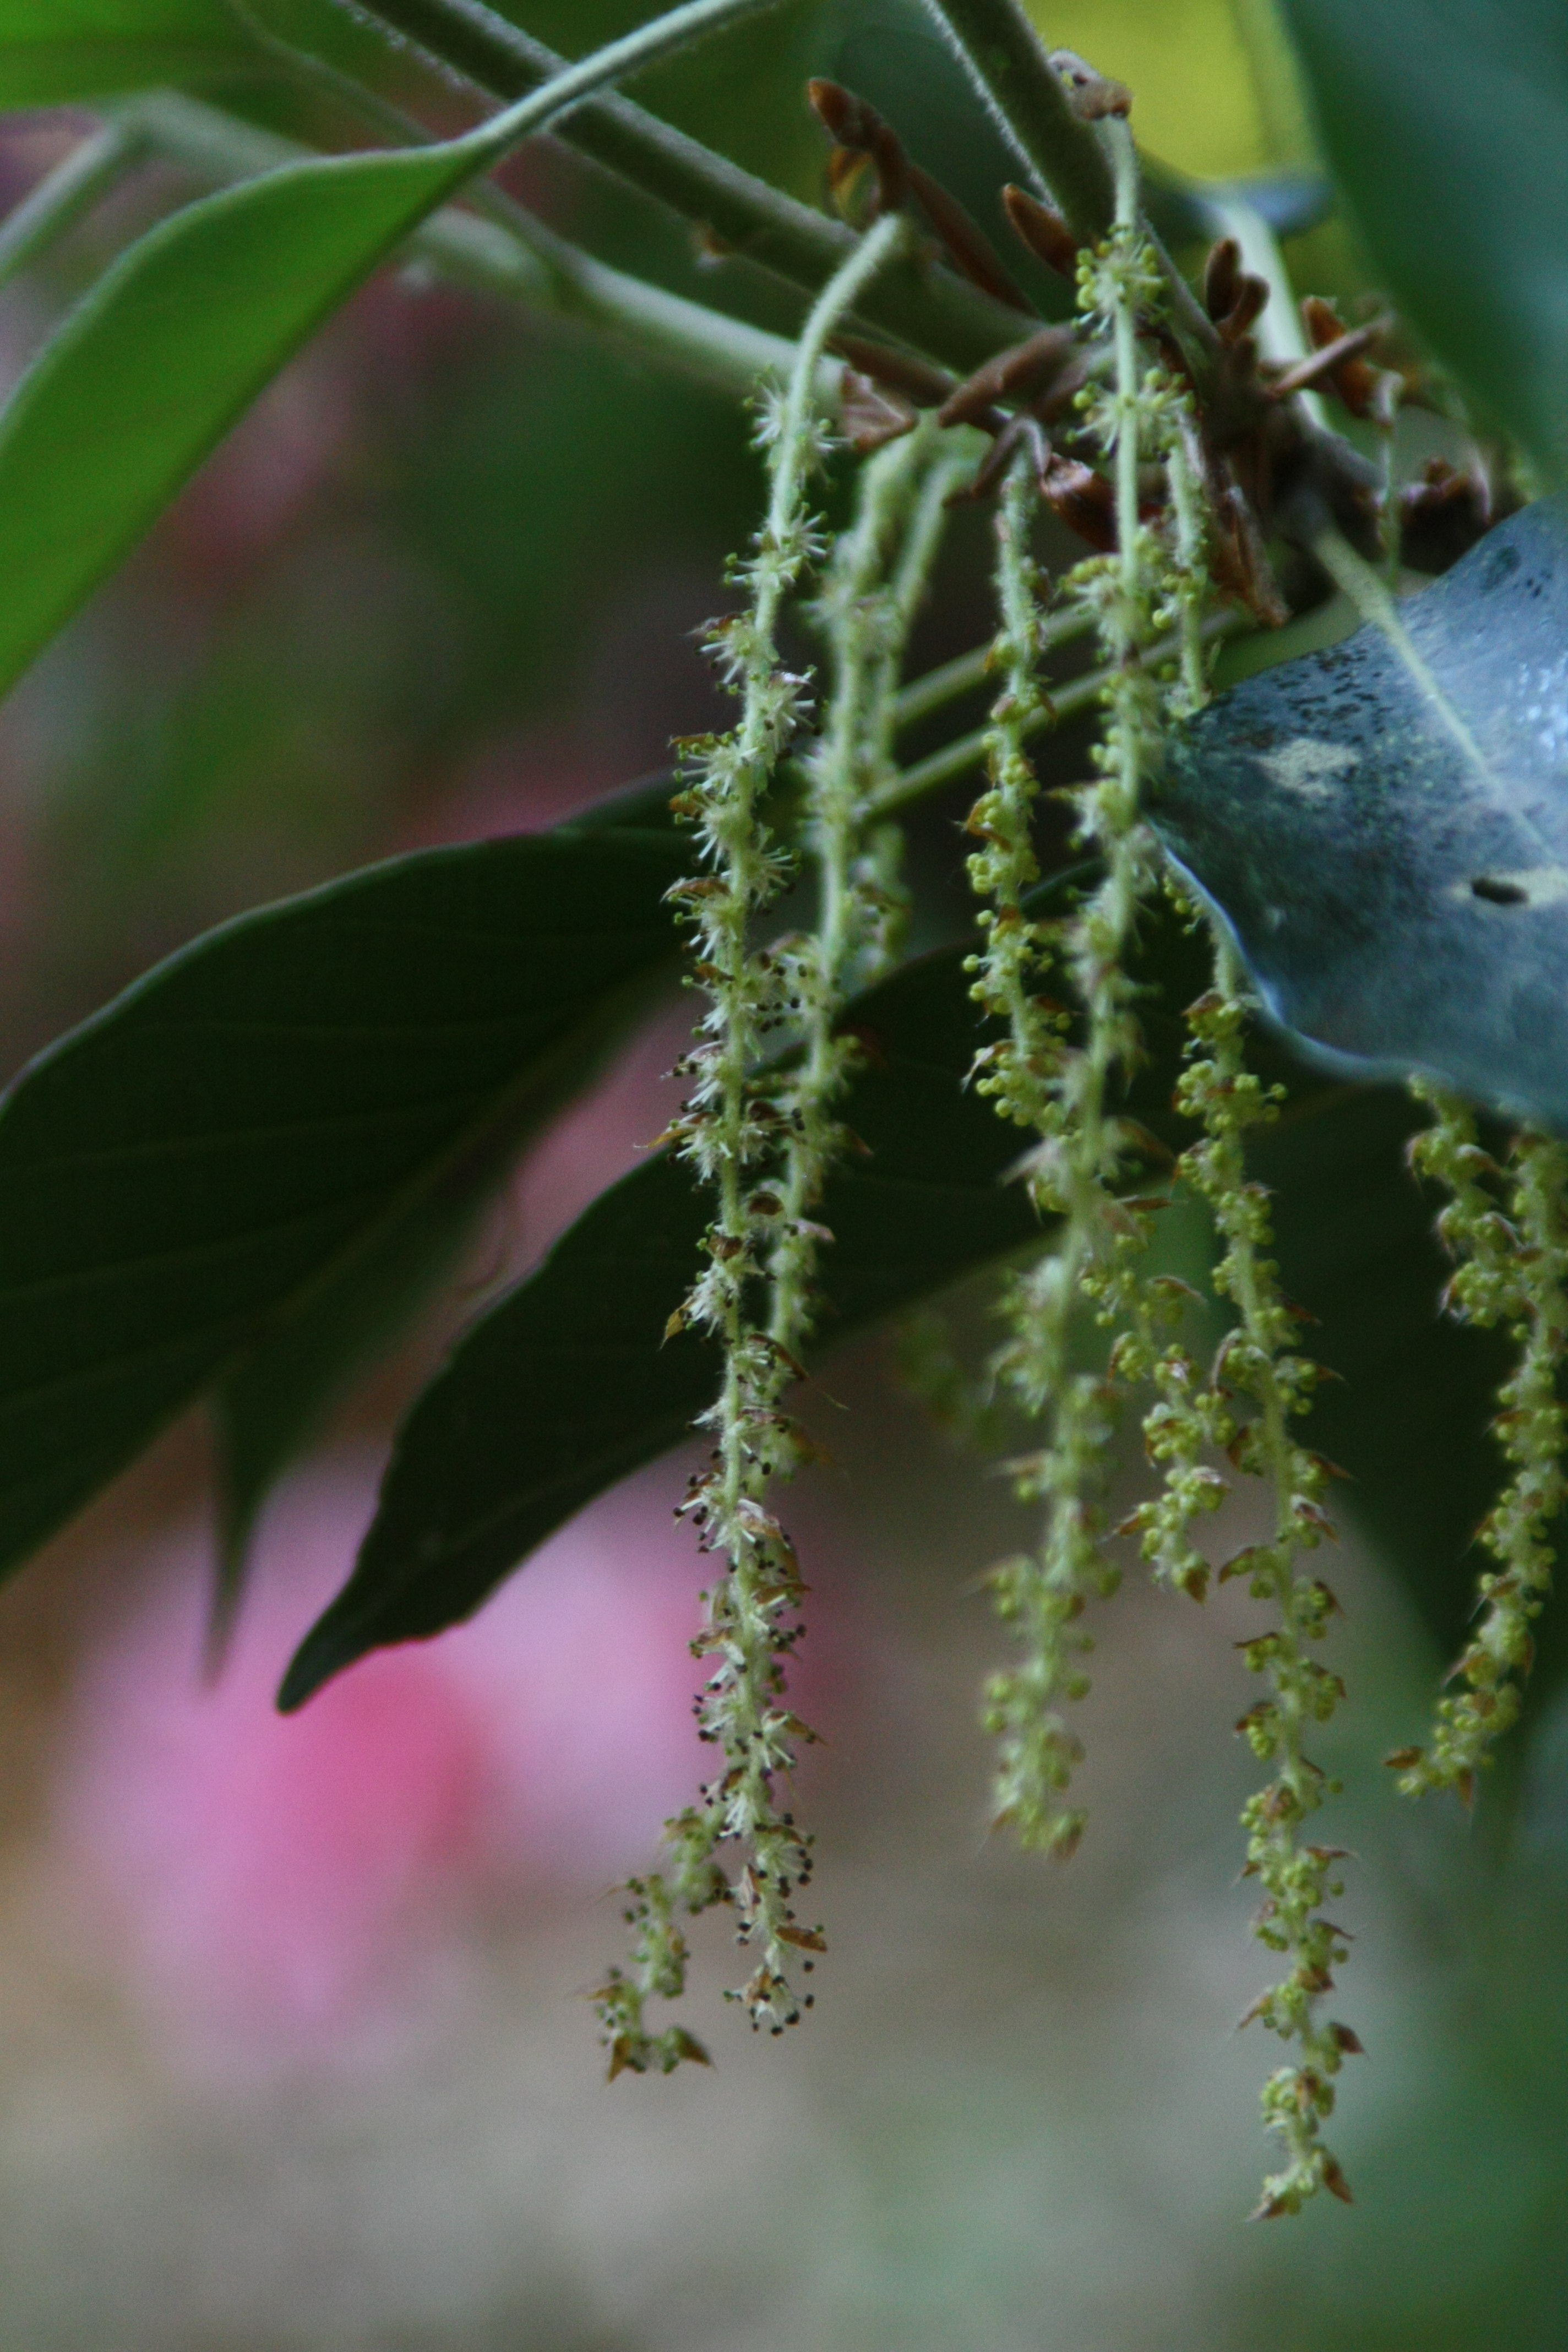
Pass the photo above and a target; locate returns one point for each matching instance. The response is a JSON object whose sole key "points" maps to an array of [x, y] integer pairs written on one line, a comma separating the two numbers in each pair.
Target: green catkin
{"points": [[1156, 582], [1041, 1595], [864, 612], [1258, 1363], [764, 1159], [1191, 1417], [1186, 1420], [1063, 1092], [1508, 1230]]}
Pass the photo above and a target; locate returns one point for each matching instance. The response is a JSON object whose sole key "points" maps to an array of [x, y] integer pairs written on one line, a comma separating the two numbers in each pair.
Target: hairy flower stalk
{"points": [[1063, 1091], [763, 1157], [864, 612], [1258, 1363], [1187, 1420], [1512, 1269]]}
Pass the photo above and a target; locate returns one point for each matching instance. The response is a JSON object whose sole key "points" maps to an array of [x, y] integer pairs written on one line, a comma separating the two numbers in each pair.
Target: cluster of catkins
{"points": [[1050, 977]]}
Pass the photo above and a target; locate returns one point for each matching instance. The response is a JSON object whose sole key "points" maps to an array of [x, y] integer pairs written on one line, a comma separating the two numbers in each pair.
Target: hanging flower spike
{"points": [[1511, 1256], [764, 1152], [864, 612], [1062, 1090], [1156, 579], [1257, 1364]]}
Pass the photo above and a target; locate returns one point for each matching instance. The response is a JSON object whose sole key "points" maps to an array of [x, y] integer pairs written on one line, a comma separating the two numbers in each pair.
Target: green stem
{"points": [[1128, 389], [565, 89], [864, 610], [522, 261], [1003, 56], [932, 308], [63, 194], [1002, 52], [1187, 563], [909, 584], [967, 673], [1086, 693], [839, 297]]}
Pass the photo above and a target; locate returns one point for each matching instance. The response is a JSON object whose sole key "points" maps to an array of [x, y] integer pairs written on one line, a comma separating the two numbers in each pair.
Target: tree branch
{"points": [[926, 307]]}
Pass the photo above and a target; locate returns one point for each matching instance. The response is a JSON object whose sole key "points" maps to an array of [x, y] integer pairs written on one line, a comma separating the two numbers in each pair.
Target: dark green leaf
{"points": [[273, 1123], [1385, 825], [1445, 122], [53, 52], [275, 1400]]}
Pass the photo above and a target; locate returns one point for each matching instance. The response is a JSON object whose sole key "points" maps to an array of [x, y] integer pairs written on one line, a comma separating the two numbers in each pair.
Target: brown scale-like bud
{"points": [[859, 130], [1248, 304], [1043, 230], [1019, 375], [895, 370], [1221, 275], [871, 418], [1336, 359]]}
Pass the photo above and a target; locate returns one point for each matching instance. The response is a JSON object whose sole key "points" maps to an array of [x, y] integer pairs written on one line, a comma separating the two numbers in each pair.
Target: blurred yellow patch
{"points": [[1211, 83]]}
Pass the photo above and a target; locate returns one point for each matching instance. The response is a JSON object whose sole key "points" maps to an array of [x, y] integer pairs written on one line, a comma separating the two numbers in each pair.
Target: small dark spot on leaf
{"points": [[1501, 561]]}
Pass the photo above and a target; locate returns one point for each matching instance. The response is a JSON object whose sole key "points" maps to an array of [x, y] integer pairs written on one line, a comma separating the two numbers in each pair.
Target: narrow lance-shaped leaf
{"points": [[269, 1126], [179, 336], [1384, 824]]}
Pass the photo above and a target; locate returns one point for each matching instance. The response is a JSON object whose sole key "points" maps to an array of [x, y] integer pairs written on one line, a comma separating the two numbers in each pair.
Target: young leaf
{"points": [[181, 335], [1385, 826], [53, 52], [254, 1133], [1447, 130]]}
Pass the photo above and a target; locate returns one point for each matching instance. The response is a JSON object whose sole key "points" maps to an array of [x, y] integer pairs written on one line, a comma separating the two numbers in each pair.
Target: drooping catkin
{"points": [[1262, 1384], [1058, 1072], [1507, 1229], [763, 1140]]}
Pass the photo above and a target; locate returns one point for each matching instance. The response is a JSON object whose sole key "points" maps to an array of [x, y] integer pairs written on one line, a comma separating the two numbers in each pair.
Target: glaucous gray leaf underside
{"points": [[1384, 827]]}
